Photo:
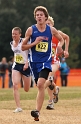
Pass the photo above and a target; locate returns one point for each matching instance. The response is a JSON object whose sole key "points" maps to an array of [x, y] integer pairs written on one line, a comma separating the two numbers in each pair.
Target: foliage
{"points": [[20, 13]]}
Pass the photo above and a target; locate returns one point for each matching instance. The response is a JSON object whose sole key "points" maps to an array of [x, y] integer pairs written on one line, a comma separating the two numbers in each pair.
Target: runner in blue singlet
{"points": [[40, 36], [40, 55]]}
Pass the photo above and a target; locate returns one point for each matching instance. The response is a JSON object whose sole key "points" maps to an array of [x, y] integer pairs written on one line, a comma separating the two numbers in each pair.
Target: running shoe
{"points": [[35, 114], [55, 99], [17, 110], [51, 86], [50, 105]]}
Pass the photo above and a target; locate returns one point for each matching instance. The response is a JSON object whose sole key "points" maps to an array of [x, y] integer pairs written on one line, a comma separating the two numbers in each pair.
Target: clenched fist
{"points": [[59, 51]]}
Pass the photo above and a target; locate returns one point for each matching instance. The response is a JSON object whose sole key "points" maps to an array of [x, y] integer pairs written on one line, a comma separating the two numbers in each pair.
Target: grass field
{"points": [[67, 110]]}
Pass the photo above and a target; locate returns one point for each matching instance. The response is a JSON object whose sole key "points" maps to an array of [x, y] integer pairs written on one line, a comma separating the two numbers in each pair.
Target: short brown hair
{"points": [[18, 29], [41, 8]]}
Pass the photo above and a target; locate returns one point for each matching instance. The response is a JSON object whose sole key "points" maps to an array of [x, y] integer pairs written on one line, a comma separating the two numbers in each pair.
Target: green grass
{"points": [[65, 93], [70, 93], [66, 111]]}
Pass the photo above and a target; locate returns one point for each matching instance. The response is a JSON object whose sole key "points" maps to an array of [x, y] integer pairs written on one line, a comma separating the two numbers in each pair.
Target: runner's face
{"points": [[49, 23], [15, 35], [40, 17]]}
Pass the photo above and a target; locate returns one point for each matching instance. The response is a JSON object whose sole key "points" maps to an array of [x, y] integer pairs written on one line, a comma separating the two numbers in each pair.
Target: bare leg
{"points": [[52, 93], [27, 83], [16, 76], [41, 93]]}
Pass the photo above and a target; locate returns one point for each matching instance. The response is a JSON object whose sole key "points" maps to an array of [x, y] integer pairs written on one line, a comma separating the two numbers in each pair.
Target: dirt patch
{"points": [[65, 112]]}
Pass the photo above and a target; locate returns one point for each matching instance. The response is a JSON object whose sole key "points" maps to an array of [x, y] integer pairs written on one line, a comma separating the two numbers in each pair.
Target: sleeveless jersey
{"points": [[55, 42], [43, 50], [20, 56]]}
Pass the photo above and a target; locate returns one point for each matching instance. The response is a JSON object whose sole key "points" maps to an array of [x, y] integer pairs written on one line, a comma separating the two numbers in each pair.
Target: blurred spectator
{"points": [[3, 68], [11, 59], [64, 70]]}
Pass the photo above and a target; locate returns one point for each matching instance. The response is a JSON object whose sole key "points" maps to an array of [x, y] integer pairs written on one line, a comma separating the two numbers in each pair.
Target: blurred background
{"points": [[66, 14]]}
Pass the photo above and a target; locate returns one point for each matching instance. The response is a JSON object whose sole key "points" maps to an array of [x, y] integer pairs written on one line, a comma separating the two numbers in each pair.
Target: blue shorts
{"points": [[19, 67], [38, 67]]}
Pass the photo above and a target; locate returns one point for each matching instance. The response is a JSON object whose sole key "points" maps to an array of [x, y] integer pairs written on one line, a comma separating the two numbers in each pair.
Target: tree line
{"points": [[66, 15]]}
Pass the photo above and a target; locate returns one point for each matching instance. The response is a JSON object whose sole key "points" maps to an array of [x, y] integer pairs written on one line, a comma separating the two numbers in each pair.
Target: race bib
{"points": [[53, 52], [19, 58], [42, 47]]}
